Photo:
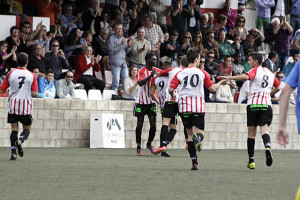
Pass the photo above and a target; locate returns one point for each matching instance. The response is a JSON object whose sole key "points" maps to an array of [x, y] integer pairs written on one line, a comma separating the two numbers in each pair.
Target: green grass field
{"points": [[56, 173]]}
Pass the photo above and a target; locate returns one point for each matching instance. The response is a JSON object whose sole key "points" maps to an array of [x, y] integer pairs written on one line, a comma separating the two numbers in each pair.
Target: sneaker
{"points": [[251, 165], [13, 156], [269, 159], [165, 154], [139, 152], [197, 142], [159, 149], [195, 167], [20, 148], [151, 149]]}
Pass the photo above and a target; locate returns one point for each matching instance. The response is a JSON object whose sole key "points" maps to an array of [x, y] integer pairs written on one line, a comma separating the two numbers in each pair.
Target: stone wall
{"points": [[65, 123]]}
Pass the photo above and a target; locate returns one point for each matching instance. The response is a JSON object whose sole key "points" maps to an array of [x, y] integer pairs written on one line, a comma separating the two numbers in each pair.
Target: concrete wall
{"points": [[65, 123]]}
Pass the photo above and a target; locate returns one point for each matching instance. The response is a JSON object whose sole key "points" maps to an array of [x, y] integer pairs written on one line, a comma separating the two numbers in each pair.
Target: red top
{"points": [[48, 10], [81, 66]]}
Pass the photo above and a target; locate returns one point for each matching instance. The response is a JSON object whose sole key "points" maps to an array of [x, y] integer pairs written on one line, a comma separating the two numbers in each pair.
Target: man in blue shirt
{"points": [[263, 13]]}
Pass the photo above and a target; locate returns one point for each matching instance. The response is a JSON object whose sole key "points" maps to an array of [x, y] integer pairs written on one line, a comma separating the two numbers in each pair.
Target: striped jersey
{"points": [[143, 95], [161, 84], [261, 82], [20, 83], [191, 97], [171, 73]]}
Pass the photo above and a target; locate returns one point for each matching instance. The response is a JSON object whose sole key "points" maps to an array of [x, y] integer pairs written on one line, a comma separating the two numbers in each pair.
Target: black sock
{"points": [[164, 135], [151, 135], [138, 135], [171, 135], [201, 136], [267, 140], [185, 134], [192, 152], [250, 145], [24, 135], [13, 139]]}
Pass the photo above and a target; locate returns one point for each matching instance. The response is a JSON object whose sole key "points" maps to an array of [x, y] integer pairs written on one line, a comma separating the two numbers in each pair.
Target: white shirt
{"points": [[243, 91], [90, 70]]}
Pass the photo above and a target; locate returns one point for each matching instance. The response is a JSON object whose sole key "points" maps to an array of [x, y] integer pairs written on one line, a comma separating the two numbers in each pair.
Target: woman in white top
{"points": [[130, 84]]}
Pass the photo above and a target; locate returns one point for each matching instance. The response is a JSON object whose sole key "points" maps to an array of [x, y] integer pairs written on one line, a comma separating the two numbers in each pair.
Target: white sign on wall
{"points": [[107, 131]]}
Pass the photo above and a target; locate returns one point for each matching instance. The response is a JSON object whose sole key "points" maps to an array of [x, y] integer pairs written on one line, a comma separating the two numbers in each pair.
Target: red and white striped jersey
{"points": [[191, 95], [20, 83], [172, 73], [143, 95], [261, 82], [161, 84]]}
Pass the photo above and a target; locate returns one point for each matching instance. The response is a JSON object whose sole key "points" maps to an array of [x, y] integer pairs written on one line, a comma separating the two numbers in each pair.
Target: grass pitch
{"points": [[56, 173]]}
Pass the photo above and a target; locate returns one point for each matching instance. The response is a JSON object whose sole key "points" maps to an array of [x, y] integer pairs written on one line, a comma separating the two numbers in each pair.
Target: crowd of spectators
{"points": [[84, 39]]}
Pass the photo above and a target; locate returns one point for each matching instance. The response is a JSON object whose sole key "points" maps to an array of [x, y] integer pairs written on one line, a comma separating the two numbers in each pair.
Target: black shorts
{"points": [[170, 109], [173, 119], [144, 109], [193, 119], [259, 115], [24, 119]]}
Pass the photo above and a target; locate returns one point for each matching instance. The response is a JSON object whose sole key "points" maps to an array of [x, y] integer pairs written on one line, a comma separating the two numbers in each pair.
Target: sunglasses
{"points": [[55, 45], [210, 56], [279, 76], [201, 61], [242, 21], [188, 37], [69, 76]]}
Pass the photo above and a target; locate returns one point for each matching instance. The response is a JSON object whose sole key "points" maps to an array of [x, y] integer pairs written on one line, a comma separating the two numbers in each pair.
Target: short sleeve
{"points": [[252, 73]]}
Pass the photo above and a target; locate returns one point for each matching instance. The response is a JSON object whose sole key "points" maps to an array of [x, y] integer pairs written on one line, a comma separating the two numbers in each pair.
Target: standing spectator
{"points": [[210, 44], [56, 60], [161, 12], [222, 21], [270, 62], [295, 15], [177, 62], [204, 26], [288, 68], [163, 46], [241, 6], [237, 68], [131, 86], [69, 20], [269, 32], [47, 8], [4, 56], [224, 47], [14, 40], [93, 16], [279, 9], [295, 46], [230, 14], [193, 20], [141, 10], [65, 87], [139, 49], [85, 67], [211, 19], [180, 16], [263, 13], [46, 85], [154, 35], [225, 67], [26, 33], [37, 60], [198, 43], [253, 40], [19, 103], [110, 6], [236, 45], [118, 47], [282, 42], [43, 39], [239, 28], [104, 23]]}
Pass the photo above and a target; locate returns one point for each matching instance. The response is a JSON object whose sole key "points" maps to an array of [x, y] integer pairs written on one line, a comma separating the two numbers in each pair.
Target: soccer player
{"points": [[259, 109], [161, 83], [191, 102], [144, 104], [21, 83]]}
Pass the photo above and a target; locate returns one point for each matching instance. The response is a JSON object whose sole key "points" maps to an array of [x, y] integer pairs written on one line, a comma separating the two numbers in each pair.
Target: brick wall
{"points": [[65, 123]]}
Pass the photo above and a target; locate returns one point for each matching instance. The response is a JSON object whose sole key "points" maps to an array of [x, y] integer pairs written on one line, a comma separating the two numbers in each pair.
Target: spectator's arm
{"points": [[295, 44], [259, 3], [51, 92], [72, 92], [113, 47], [59, 90], [81, 65]]}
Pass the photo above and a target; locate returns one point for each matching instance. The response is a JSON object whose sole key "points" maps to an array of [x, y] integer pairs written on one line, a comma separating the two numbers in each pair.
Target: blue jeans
{"points": [[117, 72], [283, 56]]}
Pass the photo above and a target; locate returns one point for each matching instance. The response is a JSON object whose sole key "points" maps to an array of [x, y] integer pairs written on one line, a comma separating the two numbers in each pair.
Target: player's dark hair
{"points": [[22, 59], [192, 54], [148, 56], [272, 54], [257, 56], [184, 61]]}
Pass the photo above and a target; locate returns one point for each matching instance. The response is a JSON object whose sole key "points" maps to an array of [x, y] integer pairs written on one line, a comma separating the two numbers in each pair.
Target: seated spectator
{"points": [[210, 44], [59, 29], [210, 22], [210, 66], [224, 47], [222, 22], [186, 40], [36, 72], [197, 42], [269, 32], [4, 56], [73, 47], [282, 42], [85, 67], [37, 60], [202, 63], [43, 39], [295, 46], [244, 92], [225, 67], [204, 26], [56, 60], [177, 62], [139, 49], [290, 65], [87, 39], [276, 98], [231, 15], [173, 47], [131, 86], [65, 87], [253, 40], [223, 94], [236, 45], [163, 46], [239, 28], [246, 64], [237, 68], [270, 62], [14, 40], [105, 21], [69, 20], [26, 33], [46, 85]]}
